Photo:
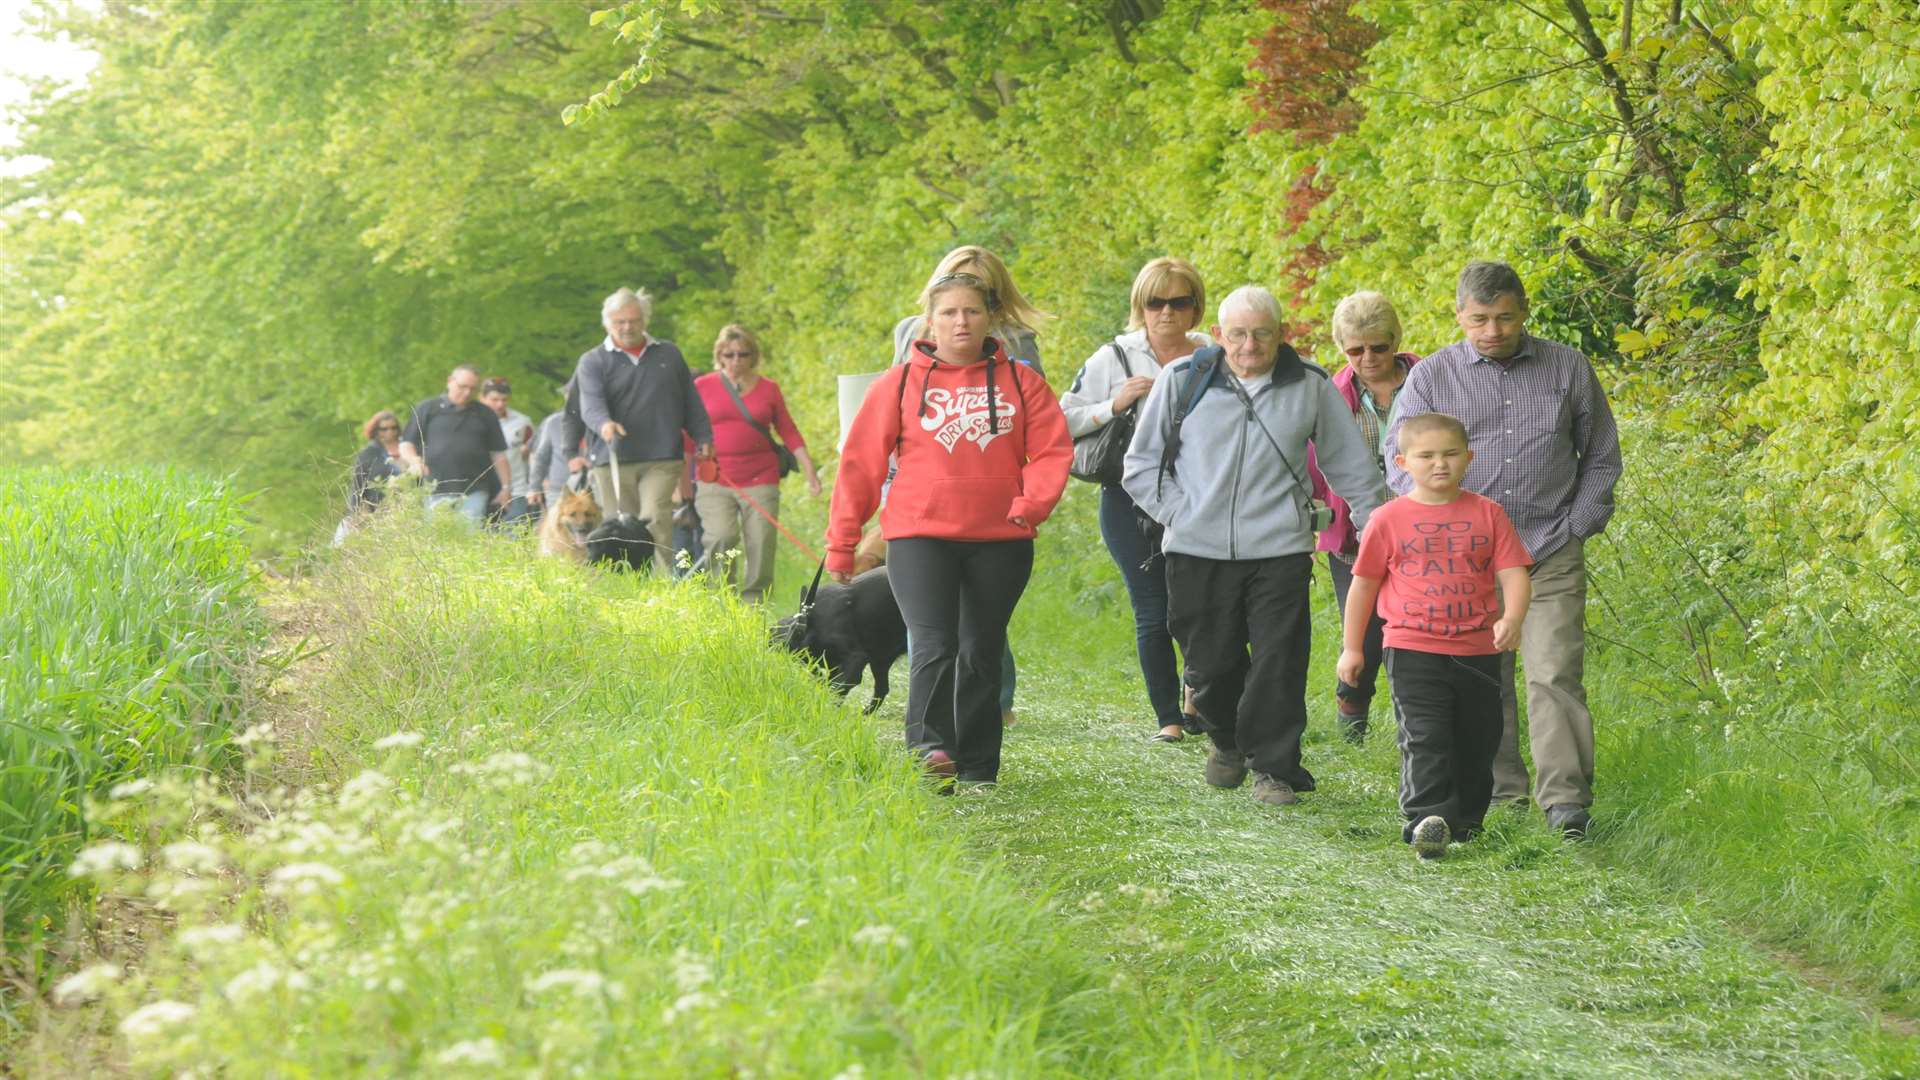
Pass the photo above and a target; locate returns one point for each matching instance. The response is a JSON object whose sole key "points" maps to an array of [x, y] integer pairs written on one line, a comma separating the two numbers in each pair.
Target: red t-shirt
{"points": [[744, 455], [1436, 566]]}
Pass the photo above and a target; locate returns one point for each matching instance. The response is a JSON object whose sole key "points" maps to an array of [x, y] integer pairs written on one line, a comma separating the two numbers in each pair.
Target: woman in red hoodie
{"points": [[983, 453]]}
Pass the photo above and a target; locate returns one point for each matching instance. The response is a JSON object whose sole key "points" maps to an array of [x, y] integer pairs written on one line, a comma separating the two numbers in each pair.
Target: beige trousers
{"points": [[1553, 656], [725, 520], [646, 491]]}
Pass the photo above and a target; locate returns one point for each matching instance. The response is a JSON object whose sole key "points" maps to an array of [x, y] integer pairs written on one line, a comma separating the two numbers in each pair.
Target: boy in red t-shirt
{"points": [[1432, 558]]}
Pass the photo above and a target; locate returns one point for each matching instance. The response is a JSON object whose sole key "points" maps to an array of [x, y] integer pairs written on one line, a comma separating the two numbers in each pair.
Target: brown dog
{"points": [[872, 552], [564, 530]]}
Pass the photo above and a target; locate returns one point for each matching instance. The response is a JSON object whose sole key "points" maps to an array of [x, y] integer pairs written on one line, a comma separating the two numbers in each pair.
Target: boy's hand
{"points": [[1506, 636], [1350, 664]]}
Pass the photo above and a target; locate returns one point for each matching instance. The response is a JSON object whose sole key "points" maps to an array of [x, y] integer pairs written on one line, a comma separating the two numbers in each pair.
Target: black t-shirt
{"points": [[458, 444]]}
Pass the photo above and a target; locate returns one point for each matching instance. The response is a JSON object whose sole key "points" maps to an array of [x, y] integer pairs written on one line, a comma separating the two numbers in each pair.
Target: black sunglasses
{"points": [[1177, 303]]}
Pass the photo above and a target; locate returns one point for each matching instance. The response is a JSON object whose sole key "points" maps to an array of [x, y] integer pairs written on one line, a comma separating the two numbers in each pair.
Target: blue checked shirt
{"points": [[1543, 438]]}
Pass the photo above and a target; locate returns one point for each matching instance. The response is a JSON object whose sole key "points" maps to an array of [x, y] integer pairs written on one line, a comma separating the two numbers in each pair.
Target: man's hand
{"points": [[500, 497], [575, 464], [1349, 666], [813, 484], [417, 467], [840, 577], [1019, 520], [704, 451], [1506, 637], [1131, 391], [611, 430], [536, 498]]}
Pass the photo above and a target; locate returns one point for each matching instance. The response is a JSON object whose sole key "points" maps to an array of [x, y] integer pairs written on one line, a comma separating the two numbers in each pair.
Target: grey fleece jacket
{"points": [[1228, 494], [652, 397]]}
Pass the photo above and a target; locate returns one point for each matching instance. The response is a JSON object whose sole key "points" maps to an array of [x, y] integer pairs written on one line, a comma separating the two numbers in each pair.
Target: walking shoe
{"points": [[1430, 837], [1353, 725], [1175, 735], [1572, 821], [1226, 768], [939, 765], [1273, 792]]}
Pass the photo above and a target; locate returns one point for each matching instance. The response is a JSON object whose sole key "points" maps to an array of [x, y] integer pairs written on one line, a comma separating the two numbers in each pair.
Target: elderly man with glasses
{"points": [[1219, 460]]}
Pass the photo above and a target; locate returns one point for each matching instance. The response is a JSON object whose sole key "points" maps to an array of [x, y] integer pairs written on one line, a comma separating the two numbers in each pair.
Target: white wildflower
{"points": [[508, 768], [259, 979], [1093, 901], [192, 856], [479, 1052], [87, 984], [132, 789], [399, 740], [202, 942], [640, 886], [363, 791], [586, 983], [855, 1071], [687, 1003], [881, 936], [172, 893], [303, 879], [259, 733], [690, 973], [154, 1019], [104, 857]]}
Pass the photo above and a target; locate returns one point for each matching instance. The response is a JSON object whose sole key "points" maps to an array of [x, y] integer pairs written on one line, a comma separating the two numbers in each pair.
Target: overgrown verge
{"points": [[127, 636], [1755, 709], [578, 824]]}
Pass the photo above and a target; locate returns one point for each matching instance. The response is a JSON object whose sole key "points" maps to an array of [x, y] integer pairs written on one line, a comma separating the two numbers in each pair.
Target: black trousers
{"points": [[1245, 630], [957, 597], [1449, 713], [1360, 697]]}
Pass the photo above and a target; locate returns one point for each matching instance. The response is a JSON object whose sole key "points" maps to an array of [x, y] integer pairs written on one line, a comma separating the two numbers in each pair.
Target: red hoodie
{"points": [[962, 474]]}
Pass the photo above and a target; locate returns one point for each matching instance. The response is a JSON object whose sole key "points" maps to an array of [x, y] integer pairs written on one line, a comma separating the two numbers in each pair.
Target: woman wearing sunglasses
{"points": [[1366, 330], [372, 466], [1168, 302]]}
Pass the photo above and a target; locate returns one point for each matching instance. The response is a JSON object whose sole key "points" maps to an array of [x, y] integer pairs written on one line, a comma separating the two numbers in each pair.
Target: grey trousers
{"points": [[646, 491], [1553, 655]]}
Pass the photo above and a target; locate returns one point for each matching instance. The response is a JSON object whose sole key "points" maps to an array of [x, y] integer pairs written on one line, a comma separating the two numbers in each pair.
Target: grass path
{"points": [[1312, 939]]}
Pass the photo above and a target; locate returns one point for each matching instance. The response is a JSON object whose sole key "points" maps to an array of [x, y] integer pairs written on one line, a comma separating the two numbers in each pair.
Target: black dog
{"points": [[850, 628], [623, 541]]}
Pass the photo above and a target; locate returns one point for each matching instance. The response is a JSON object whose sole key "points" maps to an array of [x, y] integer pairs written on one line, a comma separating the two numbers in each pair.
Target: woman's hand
{"points": [[840, 577], [1131, 391], [1020, 520]]}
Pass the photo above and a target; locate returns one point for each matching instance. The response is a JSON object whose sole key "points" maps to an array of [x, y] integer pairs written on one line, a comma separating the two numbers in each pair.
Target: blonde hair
{"points": [[736, 332], [1010, 310], [1365, 313], [1154, 277], [1415, 426]]}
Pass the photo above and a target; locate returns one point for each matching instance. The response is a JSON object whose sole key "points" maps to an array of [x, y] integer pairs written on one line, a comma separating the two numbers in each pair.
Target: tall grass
{"points": [[126, 633], [566, 823]]}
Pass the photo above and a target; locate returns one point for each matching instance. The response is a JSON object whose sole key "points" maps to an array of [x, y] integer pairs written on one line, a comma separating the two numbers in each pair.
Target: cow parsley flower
{"points": [[303, 879], [155, 1019], [880, 936], [478, 1052], [193, 857], [104, 857], [399, 740], [87, 984]]}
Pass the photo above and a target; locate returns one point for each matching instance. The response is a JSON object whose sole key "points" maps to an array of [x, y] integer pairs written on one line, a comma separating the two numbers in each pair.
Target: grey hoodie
{"points": [[1228, 494]]}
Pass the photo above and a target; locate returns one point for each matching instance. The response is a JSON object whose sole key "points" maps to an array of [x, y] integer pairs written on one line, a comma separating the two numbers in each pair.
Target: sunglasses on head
{"points": [[1357, 351], [1177, 303]]}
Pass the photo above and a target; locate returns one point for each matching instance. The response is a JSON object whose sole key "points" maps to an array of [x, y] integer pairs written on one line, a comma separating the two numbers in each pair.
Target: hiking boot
{"points": [[1430, 837], [1572, 821], [1273, 792], [1226, 768]]}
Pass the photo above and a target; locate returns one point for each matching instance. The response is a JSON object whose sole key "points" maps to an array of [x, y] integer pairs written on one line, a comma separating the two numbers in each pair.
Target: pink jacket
{"points": [[1340, 536]]}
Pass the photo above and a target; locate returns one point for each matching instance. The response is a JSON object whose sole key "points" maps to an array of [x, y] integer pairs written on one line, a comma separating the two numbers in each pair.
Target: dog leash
{"points": [[804, 549]]}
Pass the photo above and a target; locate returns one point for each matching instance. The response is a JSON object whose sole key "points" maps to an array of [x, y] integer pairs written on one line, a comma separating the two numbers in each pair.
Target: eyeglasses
{"points": [[736, 356], [1177, 303], [1357, 351], [1239, 335]]}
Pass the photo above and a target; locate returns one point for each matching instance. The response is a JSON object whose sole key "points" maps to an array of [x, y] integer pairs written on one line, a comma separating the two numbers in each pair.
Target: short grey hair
{"points": [[1253, 299], [1365, 313], [623, 298], [1484, 281]]}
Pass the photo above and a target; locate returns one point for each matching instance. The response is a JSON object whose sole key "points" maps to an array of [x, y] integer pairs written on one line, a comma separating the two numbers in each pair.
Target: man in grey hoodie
{"points": [[637, 395], [1219, 459]]}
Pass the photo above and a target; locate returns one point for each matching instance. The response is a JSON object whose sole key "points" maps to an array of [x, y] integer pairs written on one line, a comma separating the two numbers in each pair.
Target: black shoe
{"points": [[1572, 821], [1353, 727]]}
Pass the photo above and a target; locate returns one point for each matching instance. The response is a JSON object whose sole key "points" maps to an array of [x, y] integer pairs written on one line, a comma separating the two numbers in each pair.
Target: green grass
{"points": [[703, 865], [127, 631]]}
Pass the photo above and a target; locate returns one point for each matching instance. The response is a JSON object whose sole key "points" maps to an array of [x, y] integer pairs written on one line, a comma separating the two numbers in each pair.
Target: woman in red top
{"points": [[983, 453], [745, 470]]}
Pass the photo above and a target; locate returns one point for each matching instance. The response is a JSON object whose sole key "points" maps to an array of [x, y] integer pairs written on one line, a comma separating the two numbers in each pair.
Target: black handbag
{"points": [[1100, 454], [788, 463]]}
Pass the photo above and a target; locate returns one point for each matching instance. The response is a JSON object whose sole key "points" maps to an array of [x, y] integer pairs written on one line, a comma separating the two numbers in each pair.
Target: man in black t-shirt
{"points": [[464, 450]]}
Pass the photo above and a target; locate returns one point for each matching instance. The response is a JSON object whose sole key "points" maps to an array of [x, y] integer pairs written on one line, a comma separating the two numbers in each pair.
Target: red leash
{"points": [[762, 511]]}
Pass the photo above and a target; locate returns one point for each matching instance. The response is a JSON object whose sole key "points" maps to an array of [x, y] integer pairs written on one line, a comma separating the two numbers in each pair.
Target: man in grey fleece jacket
{"points": [[637, 394], [1233, 495]]}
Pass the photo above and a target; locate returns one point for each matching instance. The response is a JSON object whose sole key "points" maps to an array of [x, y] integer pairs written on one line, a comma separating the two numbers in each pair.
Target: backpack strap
{"points": [[1201, 371]]}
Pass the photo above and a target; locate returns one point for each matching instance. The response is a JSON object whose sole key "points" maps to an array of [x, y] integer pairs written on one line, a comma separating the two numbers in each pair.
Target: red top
{"points": [[745, 456], [1436, 565], [961, 474]]}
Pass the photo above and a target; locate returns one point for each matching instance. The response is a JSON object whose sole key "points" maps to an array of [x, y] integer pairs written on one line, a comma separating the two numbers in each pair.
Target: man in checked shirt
{"points": [[1546, 449]]}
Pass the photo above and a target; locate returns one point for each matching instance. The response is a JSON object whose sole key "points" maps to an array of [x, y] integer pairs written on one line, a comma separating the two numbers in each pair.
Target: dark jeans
{"points": [[1449, 712], [1246, 632], [957, 597], [1356, 699], [1145, 573]]}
